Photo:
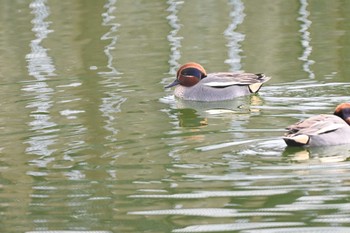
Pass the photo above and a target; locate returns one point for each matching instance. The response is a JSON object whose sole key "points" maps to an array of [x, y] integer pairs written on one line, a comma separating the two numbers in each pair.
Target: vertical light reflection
{"points": [[110, 104], [174, 57], [173, 38], [40, 67], [109, 21], [305, 38], [235, 38]]}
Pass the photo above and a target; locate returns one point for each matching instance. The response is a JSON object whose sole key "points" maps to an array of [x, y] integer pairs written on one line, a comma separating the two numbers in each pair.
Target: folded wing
{"points": [[223, 79]]}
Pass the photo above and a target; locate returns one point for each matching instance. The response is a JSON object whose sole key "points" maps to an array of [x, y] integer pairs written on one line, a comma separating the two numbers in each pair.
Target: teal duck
{"points": [[321, 130], [193, 83]]}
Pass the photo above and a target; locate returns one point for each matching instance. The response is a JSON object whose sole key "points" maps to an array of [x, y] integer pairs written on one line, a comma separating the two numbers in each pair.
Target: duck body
{"points": [[321, 130], [193, 83]]}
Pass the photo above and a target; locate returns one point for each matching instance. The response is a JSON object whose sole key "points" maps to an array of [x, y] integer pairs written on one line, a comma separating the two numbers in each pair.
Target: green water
{"points": [[91, 141]]}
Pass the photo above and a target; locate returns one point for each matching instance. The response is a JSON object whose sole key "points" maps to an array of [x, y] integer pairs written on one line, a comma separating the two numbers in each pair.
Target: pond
{"points": [[92, 142]]}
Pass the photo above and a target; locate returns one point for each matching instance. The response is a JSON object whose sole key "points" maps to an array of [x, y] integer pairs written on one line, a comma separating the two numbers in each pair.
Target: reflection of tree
{"points": [[41, 68], [173, 38], [234, 38], [305, 38], [111, 104], [109, 21], [271, 42]]}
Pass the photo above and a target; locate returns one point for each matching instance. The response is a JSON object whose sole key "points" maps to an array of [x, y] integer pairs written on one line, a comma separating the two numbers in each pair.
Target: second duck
{"points": [[193, 83]]}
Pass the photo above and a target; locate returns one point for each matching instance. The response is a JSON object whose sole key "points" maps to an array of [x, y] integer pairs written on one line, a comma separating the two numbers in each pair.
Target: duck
{"points": [[193, 83], [321, 130]]}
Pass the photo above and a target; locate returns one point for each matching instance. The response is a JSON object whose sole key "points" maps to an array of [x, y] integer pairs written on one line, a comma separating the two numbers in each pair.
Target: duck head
{"points": [[189, 74], [343, 111]]}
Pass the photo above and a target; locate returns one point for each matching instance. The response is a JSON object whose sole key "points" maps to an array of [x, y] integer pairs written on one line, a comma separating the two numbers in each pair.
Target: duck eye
{"points": [[346, 112]]}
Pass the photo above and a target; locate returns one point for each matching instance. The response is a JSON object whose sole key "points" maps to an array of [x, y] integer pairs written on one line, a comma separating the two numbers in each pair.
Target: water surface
{"points": [[92, 142]]}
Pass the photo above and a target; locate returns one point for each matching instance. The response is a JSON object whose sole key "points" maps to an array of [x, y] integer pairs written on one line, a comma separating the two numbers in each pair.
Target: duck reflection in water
{"points": [[323, 154], [189, 118], [219, 108], [197, 115]]}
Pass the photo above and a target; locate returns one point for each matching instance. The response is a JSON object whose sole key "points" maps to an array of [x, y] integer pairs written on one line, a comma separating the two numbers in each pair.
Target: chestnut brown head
{"points": [[189, 74], [343, 111]]}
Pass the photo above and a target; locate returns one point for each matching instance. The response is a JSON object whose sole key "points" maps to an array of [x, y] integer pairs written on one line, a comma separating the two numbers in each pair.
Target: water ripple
{"points": [[72, 231], [302, 229], [208, 194], [235, 226], [207, 212]]}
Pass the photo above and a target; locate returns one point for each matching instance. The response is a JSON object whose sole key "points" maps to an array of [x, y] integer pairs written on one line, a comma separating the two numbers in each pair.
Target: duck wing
{"points": [[224, 79], [316, 125]]}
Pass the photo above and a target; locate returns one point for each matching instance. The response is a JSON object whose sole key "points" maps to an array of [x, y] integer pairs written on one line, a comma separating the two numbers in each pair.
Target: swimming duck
{"points": [[193, 83], [321, 130]]}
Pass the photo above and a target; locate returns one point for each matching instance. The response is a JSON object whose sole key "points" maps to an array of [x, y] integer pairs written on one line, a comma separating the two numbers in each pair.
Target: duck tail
{"points": [[297, 140], [255, 87], [261, 78]]}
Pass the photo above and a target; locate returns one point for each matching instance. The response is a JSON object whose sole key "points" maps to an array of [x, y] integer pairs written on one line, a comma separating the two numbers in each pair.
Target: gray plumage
{"points": [[320, 130], [222, 86]]}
